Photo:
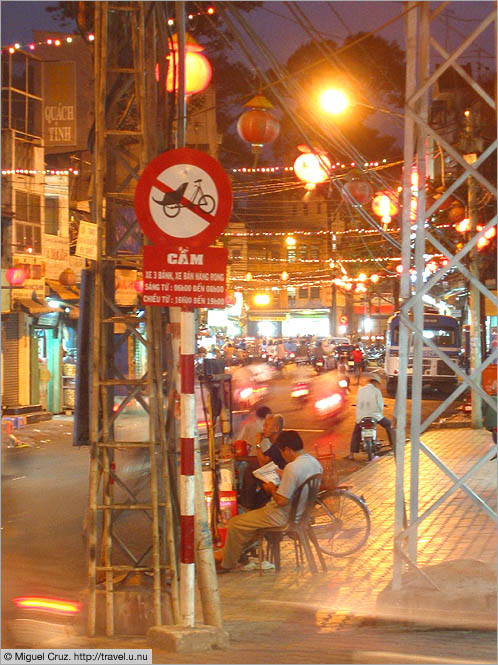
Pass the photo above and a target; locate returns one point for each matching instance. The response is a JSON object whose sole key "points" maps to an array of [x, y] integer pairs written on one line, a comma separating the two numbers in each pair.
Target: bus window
{"points": [[444, 337]]}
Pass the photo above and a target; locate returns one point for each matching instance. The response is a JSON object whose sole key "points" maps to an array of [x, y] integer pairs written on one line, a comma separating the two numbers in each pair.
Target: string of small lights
{"points": [[69, 171], [50, 41], [317, 233], [338, 165], [68, 39]]}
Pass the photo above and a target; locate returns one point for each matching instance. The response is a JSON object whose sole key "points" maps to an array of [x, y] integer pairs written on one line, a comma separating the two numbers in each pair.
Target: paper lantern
{"points": [[198, 70], [384, 207], [361, 190], [16, 275], [67, 277], [312, 169], [258, 126], [456, 212]]}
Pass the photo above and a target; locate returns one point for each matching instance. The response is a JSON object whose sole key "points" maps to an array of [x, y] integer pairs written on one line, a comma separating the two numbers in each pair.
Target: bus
{"points": [[444, 332]]}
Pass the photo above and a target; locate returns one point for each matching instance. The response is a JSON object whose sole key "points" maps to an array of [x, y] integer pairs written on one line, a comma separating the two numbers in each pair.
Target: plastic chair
{"points": [[299, 530]]}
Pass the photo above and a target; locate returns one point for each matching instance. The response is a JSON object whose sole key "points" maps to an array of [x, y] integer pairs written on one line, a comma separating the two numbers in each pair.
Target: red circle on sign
{"points": [[184, 196], [343, 320]]}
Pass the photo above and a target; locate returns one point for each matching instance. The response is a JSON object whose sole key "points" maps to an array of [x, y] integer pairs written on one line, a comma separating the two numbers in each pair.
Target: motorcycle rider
{"points": [[281, 350], [369, 403], [302, 350], [318, 353]]}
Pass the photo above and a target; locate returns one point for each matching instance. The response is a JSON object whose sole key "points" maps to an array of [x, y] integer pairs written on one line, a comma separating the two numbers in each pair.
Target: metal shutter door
{"points": [[10, 340]]}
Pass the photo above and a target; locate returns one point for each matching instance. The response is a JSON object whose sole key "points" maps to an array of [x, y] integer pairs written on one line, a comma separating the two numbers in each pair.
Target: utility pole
{"points": [[130, 531], [333, 287], [475, 298]]}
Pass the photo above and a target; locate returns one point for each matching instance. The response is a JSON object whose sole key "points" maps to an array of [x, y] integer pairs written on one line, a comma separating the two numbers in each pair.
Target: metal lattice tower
{"points": [[130, 511], [420, 134]]}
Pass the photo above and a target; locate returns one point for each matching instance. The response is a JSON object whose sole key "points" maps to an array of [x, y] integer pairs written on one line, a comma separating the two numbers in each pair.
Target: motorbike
{"points": [[300, 392], [368, 434], [318, 364], [376, 355], [343, 384], [330, 406], [277, 363]]}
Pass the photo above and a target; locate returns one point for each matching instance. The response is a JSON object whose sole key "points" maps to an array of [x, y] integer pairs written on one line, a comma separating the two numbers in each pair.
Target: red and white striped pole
{"points": [[187, 478]]}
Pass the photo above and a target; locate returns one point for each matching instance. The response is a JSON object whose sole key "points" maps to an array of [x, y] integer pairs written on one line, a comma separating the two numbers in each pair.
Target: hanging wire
{"points": [[293, 90]]}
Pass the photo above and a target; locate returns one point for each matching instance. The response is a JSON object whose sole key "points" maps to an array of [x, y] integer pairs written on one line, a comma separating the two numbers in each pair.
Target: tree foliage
{"points": [[369, 69]]}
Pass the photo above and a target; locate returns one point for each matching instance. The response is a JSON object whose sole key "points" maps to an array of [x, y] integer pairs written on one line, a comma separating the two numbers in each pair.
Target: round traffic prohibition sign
{"points": [[183, 195], [343, 320]]}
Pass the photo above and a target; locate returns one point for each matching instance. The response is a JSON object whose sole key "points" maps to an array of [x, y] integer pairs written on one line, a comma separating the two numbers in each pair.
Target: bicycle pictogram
{"points": [[171, 202]]}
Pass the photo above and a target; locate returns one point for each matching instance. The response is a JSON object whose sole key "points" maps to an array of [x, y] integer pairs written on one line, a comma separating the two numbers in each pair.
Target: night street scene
{"points": [[249, 332]]}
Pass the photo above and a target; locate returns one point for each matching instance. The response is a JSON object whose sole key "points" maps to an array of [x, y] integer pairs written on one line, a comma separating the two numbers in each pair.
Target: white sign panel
{"points": [[86, 245]]}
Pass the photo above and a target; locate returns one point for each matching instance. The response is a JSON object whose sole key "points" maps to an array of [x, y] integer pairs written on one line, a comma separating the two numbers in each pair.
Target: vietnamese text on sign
{"points": [[178, 277]]}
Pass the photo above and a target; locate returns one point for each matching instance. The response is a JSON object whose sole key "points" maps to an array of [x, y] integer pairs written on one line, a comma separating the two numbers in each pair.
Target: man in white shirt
{"points": [[243, 528], [369, 403]]}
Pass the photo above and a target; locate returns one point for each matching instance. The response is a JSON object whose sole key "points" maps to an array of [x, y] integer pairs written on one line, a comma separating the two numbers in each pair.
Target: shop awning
{"points": [[65, 293], [33, 307]]}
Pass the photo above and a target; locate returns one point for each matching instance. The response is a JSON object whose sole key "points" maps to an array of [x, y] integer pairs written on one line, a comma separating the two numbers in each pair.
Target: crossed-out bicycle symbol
{"points": [[171, 201]]}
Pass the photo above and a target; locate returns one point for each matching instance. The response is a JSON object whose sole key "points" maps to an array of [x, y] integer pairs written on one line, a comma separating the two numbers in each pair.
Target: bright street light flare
{"points": [[334, 101]]}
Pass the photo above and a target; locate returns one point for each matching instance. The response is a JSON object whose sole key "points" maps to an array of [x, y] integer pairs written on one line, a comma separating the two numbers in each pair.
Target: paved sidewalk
{"points": [[291, 617]]}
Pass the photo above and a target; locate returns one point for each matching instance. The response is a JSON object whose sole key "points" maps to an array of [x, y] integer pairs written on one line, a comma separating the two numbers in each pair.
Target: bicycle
{"points": [[340, 522], [171, 201]]}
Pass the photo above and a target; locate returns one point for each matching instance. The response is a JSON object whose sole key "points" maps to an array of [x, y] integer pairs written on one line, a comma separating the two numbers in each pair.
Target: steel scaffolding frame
{"points": [[419, 83], [125, 118]]}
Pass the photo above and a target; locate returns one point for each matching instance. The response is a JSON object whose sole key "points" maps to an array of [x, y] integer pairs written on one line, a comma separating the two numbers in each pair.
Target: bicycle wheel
{"points": [[206, 203], [172, 209], [341, 523]]}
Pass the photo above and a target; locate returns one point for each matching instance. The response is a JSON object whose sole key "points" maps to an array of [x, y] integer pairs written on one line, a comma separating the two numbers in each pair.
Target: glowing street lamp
{"points": [[290, 241], [334, 101]]}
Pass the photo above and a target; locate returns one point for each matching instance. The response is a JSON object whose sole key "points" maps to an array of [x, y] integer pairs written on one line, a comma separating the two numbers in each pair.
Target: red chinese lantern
{"points": [[456, 212], [384, 207], [198, 70], [67, 277], [258, 126], [139, 285], [16, 275], [361, 190]]}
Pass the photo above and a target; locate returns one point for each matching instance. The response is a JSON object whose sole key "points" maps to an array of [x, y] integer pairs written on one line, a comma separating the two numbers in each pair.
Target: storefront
{"points": [[265, 324], [306, 322], [288, 324]]}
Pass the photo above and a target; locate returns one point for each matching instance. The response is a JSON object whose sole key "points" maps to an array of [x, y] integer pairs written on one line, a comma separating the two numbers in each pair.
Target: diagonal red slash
{"points": [[186, 203]]}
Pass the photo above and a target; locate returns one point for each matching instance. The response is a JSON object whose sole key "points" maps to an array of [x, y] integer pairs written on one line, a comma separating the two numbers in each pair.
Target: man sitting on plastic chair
{"points": [[242, 529]]}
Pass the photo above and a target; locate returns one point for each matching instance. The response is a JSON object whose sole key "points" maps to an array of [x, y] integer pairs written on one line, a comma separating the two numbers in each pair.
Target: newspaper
{"points": [[267, 473]]}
